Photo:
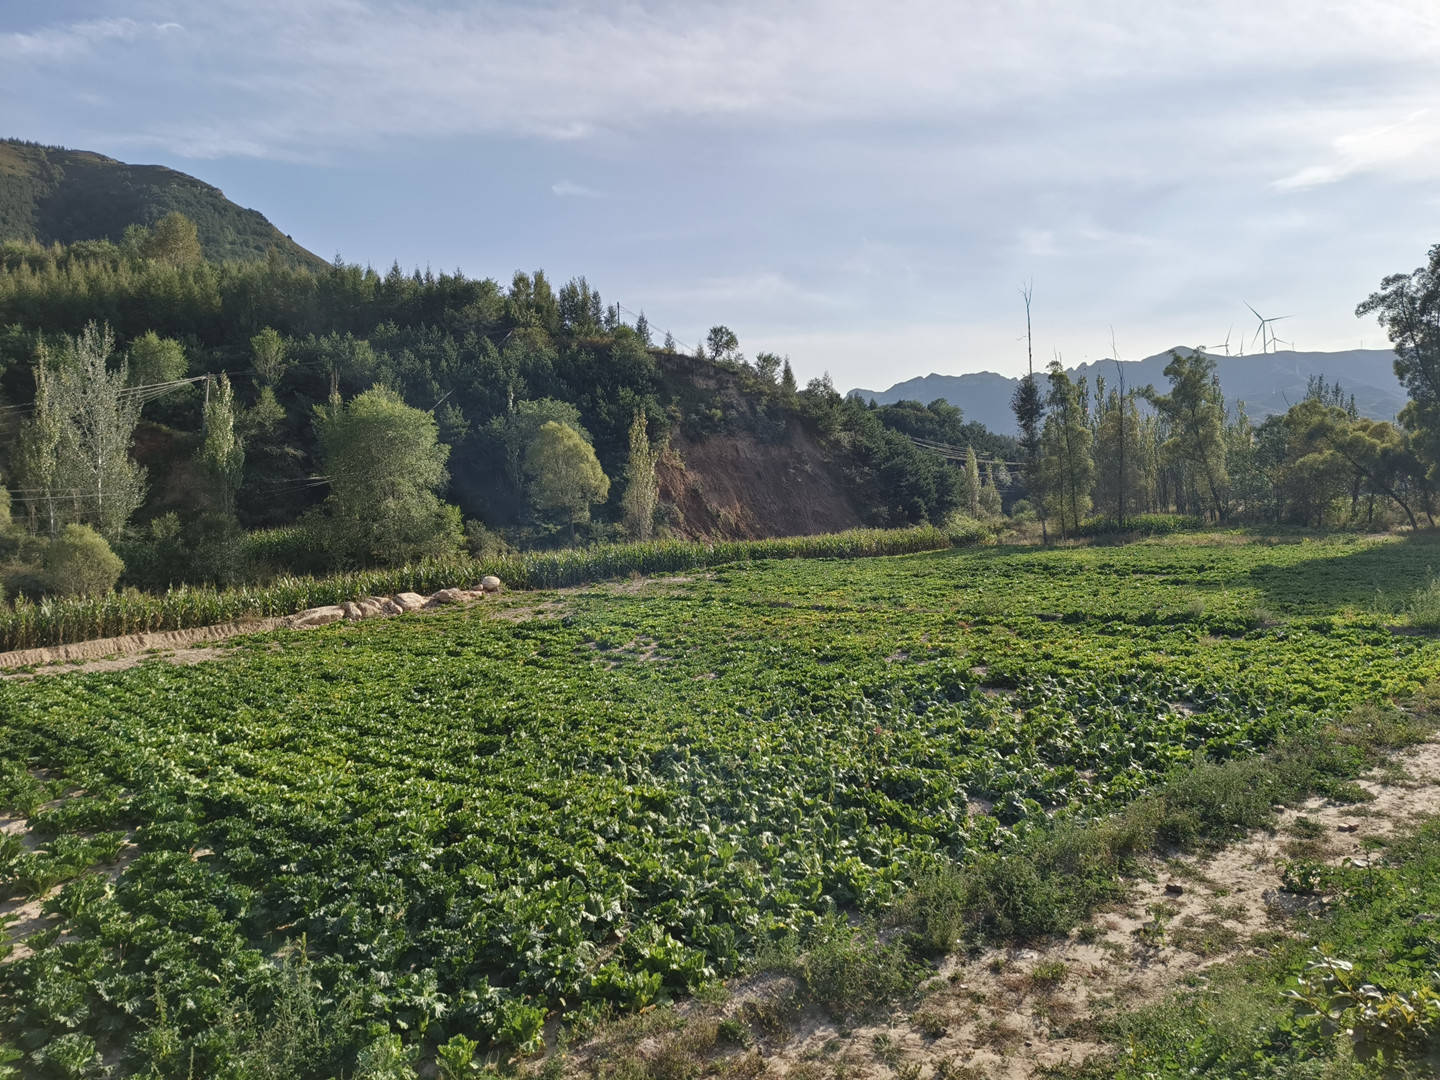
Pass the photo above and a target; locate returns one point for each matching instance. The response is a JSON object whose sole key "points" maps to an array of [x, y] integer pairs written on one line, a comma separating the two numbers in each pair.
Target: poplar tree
{"points": [[1028, 405], [1068, 468], [77, 444], [1122, 484], [268, 349], [222, 452], [642, 488], [972, 482], [40, 453]]}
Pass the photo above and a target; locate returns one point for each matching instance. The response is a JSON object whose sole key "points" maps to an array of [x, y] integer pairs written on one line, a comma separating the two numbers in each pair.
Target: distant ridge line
{"points": [[1266, 383]]}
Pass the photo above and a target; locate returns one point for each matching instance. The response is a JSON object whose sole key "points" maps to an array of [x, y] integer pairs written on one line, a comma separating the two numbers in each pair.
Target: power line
{"points": [[956, 453]]}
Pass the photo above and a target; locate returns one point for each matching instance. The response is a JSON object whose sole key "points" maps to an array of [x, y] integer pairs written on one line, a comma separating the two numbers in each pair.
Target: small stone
{"points": [[351, 610], [408, 601], [1172, 889], [1348, 826], [490, 583]]}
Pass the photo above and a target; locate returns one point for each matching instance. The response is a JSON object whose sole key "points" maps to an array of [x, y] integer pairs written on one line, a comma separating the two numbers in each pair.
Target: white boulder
{"points": [[318, 616]]}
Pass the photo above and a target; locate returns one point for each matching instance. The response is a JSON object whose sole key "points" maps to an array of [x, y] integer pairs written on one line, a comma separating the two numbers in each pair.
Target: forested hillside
{"points": [[52, 195], [360, 418]]}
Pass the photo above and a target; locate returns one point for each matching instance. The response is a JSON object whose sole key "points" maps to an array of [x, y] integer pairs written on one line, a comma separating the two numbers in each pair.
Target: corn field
{"points": [[31, 624]]}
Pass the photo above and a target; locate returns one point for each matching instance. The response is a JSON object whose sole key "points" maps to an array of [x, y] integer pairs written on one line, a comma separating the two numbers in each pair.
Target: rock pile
{"points": [[372, 607]]}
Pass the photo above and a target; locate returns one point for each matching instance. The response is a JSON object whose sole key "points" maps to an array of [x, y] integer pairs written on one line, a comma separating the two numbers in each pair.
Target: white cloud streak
{"points": [[1410, 145], [336, 72], [568, 189], [77, 39]]}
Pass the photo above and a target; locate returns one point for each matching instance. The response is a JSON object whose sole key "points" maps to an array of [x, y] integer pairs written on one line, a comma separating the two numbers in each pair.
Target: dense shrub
{"points": [[1138, 525], [79, 562]]}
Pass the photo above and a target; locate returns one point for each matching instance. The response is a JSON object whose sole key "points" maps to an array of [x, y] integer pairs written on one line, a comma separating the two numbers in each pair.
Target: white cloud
{"points": [[67, 41], [1410, 145], [763, 290], [567, 189], [337, 72]]}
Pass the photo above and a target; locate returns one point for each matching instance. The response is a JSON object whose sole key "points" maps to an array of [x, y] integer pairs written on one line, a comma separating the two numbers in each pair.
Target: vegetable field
{"points": [[467, 822]]}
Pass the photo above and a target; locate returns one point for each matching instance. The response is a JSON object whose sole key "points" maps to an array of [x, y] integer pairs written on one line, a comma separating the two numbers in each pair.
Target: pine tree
{"points": [[787, 380]]}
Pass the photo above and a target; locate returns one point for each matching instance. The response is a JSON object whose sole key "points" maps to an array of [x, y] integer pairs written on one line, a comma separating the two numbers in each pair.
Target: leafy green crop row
{"points": [[461, 824], [55, 621]]}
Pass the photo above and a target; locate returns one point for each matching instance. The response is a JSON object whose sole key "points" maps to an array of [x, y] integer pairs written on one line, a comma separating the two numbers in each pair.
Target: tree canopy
{"points": [[565, 476], [384, 463]]}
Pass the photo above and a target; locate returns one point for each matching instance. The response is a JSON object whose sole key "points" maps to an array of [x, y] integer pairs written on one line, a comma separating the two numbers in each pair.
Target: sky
{"points": [[862, 186]]}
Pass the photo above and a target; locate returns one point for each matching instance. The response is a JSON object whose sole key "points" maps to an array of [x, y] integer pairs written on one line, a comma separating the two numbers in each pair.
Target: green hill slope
{"points": [[50, 194]]}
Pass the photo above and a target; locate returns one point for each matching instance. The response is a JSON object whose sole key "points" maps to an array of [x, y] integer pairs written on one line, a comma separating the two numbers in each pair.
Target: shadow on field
{"points": [[1378, 578]]}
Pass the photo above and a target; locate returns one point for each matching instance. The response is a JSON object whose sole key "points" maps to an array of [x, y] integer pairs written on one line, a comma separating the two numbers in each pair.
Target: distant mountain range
{"points": [[1267, 384], [51, 195]]}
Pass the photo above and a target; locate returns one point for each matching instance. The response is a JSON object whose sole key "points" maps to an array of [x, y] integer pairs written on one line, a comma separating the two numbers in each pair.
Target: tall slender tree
{"points": [[1195, 412], [86, 419], [222, 452], [641, 486], [1065, 450], [971, 485], [1121, 483], [1028, 405]]}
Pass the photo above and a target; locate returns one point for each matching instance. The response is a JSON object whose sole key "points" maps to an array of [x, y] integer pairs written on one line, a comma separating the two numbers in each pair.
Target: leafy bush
{"points": [[847, 970], [964, 530], [79, 562]]}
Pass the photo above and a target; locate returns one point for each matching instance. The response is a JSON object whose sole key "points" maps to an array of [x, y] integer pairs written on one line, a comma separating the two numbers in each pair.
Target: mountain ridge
{"points": [[51, 194], [1267, 383]]}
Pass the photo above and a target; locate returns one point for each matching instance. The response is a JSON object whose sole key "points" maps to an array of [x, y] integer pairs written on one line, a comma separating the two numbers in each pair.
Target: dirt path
{"points": [[117, 653], [1011, 1013]]}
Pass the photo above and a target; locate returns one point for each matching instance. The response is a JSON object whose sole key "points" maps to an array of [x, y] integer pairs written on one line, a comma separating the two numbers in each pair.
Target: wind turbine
{"points": [[1264, 334], [1225, 344]]}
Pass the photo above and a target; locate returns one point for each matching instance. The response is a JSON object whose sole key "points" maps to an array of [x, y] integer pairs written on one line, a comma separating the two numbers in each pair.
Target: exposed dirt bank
{"points": [[110, 654]]}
